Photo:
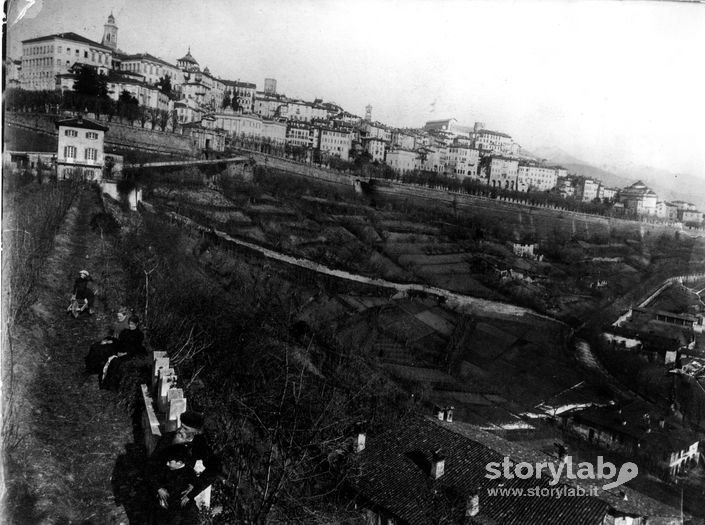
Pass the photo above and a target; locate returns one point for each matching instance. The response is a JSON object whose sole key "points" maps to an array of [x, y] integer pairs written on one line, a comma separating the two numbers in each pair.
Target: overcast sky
{"points": [[614, 83]]}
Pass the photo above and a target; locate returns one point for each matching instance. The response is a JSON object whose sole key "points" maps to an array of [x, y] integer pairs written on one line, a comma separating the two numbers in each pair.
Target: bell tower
{"points": [[110, 33]]}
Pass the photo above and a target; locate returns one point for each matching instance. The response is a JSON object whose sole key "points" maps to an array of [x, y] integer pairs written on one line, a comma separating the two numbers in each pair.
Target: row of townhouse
{"points": [[680, 211]]}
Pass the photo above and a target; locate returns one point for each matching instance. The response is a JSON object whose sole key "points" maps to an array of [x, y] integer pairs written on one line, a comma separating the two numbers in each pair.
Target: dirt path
{"points": [[73, 433]]}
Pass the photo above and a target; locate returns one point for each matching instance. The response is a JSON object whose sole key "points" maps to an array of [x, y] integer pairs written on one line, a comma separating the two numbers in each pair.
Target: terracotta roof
{"points": [[68, 36]]}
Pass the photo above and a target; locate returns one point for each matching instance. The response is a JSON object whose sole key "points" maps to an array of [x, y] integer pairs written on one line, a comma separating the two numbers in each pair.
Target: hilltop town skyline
{"points": [[333, 60]]}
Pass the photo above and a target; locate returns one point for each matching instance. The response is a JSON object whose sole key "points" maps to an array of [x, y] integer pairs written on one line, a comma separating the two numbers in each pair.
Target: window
{"points": [[70, 152], [85, 54], [71, 133], [91, 135], [59, 49], [91, 154]]}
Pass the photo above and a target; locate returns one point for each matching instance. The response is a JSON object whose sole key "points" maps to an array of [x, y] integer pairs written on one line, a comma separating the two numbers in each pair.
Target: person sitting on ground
{"points": [[82, 292], [100, 352], [129, 348], [123, 319], [200, 456], [171, 482], [130, 340]]}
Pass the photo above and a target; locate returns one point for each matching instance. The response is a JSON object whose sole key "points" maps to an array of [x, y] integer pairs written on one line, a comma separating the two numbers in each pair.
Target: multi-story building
{"points": [[607, 193], [693, 216], [80, 152], [462, 161], [303, 111], [494, 141], [238, 124], [243, 93], [639, 199], [45, 57], [500, 172], [146, 94], [274, 130], [268, 105], [403, 160], [375, 130], [403, 140], [376, 147], [449, 127], [188, 110], [334, 142], [667, 210], [151, 68], [683, 205], [432, 159], [536, 177], [566, 186], [588, 189], [301, 134]]}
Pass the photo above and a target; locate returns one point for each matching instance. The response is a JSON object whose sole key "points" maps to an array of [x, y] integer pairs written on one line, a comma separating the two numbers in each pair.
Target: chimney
{"points": [[662, 423], [472, 506], [440, 413], [360, 442], [449, 414], [438, 464]]}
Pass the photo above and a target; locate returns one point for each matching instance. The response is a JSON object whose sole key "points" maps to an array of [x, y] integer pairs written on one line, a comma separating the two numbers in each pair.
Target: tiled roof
{"points": [[490, 132], [237, 83], [67, 36], [80, 122], [147, 56], [393, 475]]}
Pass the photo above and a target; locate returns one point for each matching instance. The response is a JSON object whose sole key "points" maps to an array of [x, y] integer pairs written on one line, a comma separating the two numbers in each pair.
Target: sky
{"points": [[612, 83]]}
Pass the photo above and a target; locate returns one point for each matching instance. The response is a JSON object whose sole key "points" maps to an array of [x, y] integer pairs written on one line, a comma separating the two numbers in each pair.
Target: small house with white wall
{"points": [[80, 152]]}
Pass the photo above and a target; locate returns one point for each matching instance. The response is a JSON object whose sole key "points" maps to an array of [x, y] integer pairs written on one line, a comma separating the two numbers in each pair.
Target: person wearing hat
{"points": [[199, 454], [82, 293], [169, 481]]}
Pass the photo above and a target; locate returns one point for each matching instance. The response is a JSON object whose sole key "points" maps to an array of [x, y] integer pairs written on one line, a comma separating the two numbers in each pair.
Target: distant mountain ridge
{"points": [[668, 186]]}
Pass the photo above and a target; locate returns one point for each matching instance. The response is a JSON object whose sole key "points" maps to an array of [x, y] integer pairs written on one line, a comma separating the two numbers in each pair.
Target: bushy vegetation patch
{"points": [[283, 407]]}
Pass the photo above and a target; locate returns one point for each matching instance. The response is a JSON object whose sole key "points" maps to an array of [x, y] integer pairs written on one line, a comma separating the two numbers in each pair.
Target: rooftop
{"points": [[67, 36], [394, 475], [81, 122]]}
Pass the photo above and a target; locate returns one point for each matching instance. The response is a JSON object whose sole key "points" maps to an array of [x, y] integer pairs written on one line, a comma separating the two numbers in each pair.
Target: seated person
{"points": [[100, 352], [200, 456], [172, 481], [82, 293], [123, 319], [129, 348], [131, 338]]}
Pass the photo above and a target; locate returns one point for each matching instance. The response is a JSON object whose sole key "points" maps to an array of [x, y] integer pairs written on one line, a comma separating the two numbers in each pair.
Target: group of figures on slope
{"points": [[183, 463]]}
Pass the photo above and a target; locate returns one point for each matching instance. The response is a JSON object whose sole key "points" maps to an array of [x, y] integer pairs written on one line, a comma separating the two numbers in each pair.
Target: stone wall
{"points": [[119, 135]]}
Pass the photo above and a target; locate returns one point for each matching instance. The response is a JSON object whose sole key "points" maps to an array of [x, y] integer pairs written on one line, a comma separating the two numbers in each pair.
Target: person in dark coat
{"points": [[130, 340], [129, 347], [172, 481], [82, 292], [99, 353], [199, 454]]}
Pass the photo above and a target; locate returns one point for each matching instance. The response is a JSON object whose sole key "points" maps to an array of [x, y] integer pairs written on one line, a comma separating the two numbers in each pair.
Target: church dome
{"points": [[111, 19], [188, 58]]}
